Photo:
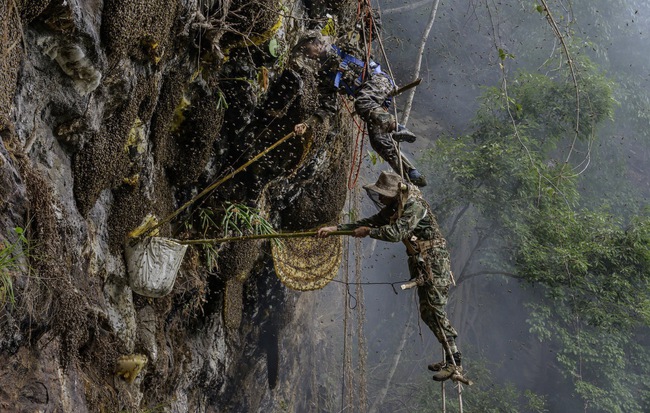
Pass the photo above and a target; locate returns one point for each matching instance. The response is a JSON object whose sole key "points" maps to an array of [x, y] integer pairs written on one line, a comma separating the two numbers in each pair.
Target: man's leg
{"points": [[432, 303], [432, 310], [433, 297], [382, 143], [368, 105], [370, 99]]}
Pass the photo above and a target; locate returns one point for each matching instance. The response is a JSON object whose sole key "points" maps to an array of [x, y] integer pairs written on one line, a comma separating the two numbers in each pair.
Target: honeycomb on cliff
{"points": [[308, 263]]}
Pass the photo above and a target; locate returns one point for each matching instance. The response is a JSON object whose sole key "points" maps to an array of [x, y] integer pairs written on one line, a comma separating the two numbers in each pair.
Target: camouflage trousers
{"points": [[434, 292], [369, 105]]}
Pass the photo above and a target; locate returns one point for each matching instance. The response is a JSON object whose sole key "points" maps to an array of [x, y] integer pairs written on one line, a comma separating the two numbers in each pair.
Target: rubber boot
{"points": [[448, 369]]}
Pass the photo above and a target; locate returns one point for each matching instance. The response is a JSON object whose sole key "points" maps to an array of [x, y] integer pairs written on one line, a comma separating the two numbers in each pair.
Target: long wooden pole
{"points": [[259, 236], [213, 186], [406, 87]]}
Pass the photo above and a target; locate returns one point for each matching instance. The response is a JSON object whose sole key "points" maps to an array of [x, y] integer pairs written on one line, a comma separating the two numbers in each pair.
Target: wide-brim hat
{"points": [[387, 184]]}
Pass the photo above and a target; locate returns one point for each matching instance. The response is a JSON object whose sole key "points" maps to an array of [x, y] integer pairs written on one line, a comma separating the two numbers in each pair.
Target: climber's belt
{"points": [[417, 246]]}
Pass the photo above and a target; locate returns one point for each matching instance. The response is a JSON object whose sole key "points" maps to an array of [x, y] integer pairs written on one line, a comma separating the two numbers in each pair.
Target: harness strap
{"points": [[411, 247], [417, 246], [348, 59]]}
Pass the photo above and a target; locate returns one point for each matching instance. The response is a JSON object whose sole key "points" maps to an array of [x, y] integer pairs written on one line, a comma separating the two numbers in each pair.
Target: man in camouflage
{"points": [[371, 89], [405, 216]]}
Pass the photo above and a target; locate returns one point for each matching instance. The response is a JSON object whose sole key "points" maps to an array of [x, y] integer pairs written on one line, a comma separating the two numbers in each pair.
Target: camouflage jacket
{"points": [[416, 219]]}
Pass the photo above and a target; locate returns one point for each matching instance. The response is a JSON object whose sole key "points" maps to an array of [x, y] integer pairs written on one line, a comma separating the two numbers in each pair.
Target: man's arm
{"points": [[361, 227], [359, 232], [402, 227], [319, 117], [374, 221]]}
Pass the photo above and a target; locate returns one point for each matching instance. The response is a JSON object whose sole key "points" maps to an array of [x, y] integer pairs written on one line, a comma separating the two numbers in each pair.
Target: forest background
{"points": [[534, 124]]}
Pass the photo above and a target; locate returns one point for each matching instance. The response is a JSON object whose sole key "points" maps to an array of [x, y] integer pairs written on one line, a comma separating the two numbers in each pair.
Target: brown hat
{"points": [[387, 184]]}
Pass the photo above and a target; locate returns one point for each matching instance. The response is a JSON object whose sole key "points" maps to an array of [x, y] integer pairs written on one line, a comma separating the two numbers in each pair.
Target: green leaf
{"points": [[273, 47]]}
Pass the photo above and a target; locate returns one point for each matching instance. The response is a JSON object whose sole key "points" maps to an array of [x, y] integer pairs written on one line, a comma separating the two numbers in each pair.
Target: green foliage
{"points": [[503, 55], [274, 46], [594, 274], [222, 103], [635, 106], [544, 108], [10, 256], [237, 220], [509, 187], [374, 158], [511, 160], [208, 226]]}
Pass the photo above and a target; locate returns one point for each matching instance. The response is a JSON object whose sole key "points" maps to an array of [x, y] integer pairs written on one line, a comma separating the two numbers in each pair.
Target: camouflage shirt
{"points": [[416, 219]]}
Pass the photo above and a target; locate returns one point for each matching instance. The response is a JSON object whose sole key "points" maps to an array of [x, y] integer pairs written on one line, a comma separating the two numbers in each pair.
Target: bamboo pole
{"points": [[218, 183], [259, 236], [406, 87]]}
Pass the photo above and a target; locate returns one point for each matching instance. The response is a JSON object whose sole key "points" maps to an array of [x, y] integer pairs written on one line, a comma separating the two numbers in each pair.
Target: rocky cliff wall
{"points": [[113, 110]]}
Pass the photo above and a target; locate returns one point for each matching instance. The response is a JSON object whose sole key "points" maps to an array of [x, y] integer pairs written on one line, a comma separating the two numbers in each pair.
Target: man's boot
{"points": [[417, 178], [449, 368], [402, 134], [437, 366]]}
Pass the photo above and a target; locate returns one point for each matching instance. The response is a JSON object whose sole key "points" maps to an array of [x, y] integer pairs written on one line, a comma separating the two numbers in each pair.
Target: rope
{"points": [[442, 389], [351, 112], [390, 72], [362, 349], [369, 41], [346, 378], [357, 156]]}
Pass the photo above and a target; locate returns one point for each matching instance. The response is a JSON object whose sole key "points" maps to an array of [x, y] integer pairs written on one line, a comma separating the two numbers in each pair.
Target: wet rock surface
{"points": [[113, 110]]}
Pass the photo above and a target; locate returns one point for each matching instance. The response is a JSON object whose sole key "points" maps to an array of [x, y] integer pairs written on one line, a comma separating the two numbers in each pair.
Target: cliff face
{"points": [[113, 110]]}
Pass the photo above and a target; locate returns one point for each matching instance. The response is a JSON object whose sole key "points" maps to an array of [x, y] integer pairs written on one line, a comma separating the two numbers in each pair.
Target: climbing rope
{"points": [[357, 158], [368, 41], [357, 155], [362, 350], [365, 5], [347, 374], [353, 378]]}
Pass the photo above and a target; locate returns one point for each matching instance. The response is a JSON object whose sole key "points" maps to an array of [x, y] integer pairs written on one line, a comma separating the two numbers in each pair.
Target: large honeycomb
{"points": [[232, 304], [309, 263]]}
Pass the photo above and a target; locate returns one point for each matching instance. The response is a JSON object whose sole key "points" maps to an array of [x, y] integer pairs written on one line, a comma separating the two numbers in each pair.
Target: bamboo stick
{"points": [[406, 87], [259, 236], [213, 186]]}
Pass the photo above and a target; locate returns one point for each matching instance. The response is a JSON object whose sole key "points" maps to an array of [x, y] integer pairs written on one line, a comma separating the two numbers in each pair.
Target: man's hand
{"points": [[361, 232], [300, 129], [325, 231]]}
